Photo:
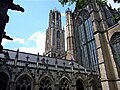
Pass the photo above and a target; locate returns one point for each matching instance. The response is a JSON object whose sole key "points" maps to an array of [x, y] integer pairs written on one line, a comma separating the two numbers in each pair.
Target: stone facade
{"points": [[93, 54], [97, 41], [25, 71]]}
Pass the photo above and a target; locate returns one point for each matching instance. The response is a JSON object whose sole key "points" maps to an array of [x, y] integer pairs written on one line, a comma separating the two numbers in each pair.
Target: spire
{"points": [[37, 60], [16, 57]]}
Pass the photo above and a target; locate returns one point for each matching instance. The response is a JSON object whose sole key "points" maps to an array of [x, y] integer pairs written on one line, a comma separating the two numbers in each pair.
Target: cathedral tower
{"points": [[55, 43]]}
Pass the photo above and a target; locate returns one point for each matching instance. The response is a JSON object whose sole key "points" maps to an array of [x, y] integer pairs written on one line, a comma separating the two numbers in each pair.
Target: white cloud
{"points": [[114, 5], [33, 50], [19, 40], [5, 41], [37, 38], [63, 14]]}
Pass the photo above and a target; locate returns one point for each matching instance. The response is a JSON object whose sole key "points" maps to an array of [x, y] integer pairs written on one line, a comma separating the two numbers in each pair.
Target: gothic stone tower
{"points": [[55, 43]]}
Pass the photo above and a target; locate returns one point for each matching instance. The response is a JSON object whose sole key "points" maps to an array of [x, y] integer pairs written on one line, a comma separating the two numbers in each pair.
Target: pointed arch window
{"points": [[46, 84], [85, 42], [93, 85], [64, 84], [58, 34], [115, 45], [58, 39], [79, 85], [23, 83]]}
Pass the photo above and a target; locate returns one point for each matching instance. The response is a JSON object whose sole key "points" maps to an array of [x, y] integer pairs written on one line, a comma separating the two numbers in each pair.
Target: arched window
{"points": [[79, 85], [64, 84], [115, 45], [46, 84], [58, 34], [23, 83], [93, 85], [3, 81], [85, 41], [58, 39]]}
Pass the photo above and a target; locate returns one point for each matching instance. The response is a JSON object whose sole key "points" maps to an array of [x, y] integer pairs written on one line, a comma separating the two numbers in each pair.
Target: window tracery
{"points": [[45, 84], [64, 84], [24, 83], [115, 45], [58, 39]]}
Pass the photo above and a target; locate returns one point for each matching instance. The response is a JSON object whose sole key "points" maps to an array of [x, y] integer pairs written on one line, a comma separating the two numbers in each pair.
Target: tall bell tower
{"points": [[55, 42]]}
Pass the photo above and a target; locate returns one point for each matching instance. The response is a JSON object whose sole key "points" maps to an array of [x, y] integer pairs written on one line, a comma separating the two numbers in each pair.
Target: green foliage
{"points": [[64, 2], [102, 1], [79, 3], [116, 17]]}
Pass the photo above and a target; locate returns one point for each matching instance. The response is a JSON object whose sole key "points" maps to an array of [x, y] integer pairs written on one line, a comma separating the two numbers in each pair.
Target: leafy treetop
{"points": [[81, 3]]}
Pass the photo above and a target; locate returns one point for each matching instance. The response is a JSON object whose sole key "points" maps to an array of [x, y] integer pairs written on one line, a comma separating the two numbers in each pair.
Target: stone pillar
{"points": [[12, 82], [73, 87], [36, 83], [107, 65], [70, 35], [57, 86], [12, 85]]}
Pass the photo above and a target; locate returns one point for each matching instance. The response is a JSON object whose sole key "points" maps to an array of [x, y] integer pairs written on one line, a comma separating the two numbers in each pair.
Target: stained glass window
{"points": [[45, 84], [58, 39], [86, 43], [64, 84], [115, 44], [23, 83]]}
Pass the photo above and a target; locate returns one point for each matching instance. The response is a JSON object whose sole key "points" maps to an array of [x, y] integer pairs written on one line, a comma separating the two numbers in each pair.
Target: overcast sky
{"points": [[28, 28]]}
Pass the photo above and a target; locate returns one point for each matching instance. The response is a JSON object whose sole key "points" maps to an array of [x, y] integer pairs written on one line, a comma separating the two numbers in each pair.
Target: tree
{"points": [[82, 3], [79, 3]]}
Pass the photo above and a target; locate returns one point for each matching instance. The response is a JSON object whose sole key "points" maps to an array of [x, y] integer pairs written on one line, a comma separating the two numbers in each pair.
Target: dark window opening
{"points": [[3, 81], [64, 84], [115, 45], [24, 83], [79, 85], [45, 84]]}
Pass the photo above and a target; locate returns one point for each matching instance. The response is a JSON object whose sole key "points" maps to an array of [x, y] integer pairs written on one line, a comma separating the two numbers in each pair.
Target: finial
{"points": [[16, 57], [37, 60], [64, 65], [38, 57], [27, 60], [47, 61], [27, 57], [47, 64]]}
